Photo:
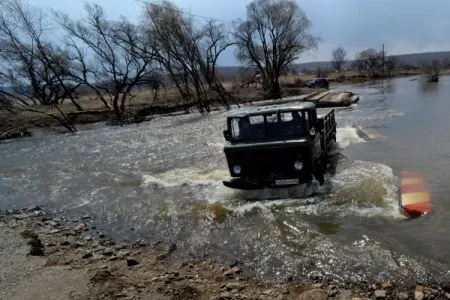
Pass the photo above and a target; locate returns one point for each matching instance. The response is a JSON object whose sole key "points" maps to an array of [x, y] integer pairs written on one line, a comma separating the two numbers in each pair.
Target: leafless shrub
{"points": [[112, 58], [188, 52]]}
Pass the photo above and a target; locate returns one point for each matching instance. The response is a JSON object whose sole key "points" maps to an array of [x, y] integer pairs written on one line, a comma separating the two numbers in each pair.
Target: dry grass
{"points": [[169, 100]]}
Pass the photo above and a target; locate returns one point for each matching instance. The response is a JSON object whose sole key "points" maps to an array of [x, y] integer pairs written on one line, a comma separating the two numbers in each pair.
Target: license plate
{"points": [[286, 181]]}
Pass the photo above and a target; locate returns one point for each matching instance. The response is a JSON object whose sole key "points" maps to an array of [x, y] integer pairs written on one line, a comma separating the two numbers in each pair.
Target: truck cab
{"points": [[278, 145]]}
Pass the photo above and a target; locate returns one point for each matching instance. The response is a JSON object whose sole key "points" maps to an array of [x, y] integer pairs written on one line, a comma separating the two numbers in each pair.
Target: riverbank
{"points": [[44, 257], [21, 123], [142, 107]]}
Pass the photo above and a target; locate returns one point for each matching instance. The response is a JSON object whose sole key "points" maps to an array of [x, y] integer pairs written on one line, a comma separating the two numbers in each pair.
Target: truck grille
{"points": [[268, 163]]}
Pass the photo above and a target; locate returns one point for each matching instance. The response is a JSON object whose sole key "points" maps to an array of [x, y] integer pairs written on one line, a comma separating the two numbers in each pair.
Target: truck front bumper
{"points": [[256, 184]]}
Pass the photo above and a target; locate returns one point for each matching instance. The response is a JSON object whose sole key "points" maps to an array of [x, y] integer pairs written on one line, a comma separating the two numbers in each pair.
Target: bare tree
{"points": [[33, 66], [338, 58], [110, 57], [34, 71], [432, 71], [215, 41], [188, 52], [369, 62], [272, 37]]}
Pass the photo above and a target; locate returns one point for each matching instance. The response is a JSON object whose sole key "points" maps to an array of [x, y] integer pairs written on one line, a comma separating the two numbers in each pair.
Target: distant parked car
{"points": [[318, 83]]}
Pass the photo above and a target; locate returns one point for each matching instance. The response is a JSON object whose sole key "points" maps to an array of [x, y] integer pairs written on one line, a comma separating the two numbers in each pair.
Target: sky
{"points": [[404, 26]]}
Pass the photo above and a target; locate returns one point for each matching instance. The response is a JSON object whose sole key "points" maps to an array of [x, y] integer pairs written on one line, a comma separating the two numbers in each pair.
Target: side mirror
{"points": [[226, 135]]}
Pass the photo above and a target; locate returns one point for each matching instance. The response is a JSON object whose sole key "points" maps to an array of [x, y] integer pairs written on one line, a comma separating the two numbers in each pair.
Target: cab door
{"points": [[314, 133]]}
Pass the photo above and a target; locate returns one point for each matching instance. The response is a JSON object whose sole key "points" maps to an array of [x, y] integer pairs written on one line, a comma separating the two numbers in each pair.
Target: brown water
{"points": [[163, 179]]}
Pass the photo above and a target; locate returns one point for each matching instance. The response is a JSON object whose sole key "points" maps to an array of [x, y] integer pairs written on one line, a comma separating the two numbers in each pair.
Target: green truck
{"points": [[278, 145]]}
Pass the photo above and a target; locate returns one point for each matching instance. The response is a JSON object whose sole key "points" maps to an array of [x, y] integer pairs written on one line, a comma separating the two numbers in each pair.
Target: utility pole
{"points": [[383, 61]]}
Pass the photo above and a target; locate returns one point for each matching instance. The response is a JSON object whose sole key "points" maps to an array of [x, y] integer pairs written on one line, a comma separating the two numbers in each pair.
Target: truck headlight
{"points": [[298, 165], [312, 131], [237, 169]]}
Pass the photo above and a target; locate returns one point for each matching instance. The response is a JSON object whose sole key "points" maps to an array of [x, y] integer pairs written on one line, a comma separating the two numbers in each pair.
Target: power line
{"points": [[383, 59], [183, 11]]}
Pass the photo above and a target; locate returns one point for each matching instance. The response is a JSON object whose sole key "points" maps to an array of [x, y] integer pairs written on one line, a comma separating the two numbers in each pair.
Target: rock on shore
{"points": [[75, 265]]}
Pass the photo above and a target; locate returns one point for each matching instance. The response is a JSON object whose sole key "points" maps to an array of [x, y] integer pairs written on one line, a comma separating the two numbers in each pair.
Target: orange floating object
{"points": [[415, 199]]}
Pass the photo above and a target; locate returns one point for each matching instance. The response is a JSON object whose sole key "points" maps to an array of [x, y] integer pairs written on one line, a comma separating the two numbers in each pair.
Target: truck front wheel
{"points": [[318, 172]]}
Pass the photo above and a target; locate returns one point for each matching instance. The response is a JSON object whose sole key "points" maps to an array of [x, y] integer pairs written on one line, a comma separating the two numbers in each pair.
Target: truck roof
{"points": [[269, 109]]}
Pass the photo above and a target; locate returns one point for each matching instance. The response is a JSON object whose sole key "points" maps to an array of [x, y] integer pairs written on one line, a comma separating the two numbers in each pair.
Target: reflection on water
{"points": [[426, 87], [386, 87], [163, 178]]}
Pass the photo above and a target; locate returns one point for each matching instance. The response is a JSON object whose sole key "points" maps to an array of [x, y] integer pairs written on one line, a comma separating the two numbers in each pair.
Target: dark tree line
{"points": [[48, 58]]}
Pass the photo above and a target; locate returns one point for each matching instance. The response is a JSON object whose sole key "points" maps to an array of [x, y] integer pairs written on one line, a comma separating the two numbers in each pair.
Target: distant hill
{"points": [[414, 59], [423, 58]]}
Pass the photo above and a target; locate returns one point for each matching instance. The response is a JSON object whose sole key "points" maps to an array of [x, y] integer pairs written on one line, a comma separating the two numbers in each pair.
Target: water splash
{"points": [[366, 189], [347, 136], [187, 176]]}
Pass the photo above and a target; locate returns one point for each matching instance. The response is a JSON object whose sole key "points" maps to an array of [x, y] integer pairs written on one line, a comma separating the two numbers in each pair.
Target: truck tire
{"points": [[318, 172]]}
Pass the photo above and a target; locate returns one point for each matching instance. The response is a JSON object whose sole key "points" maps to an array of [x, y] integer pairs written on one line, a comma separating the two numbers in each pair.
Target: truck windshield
{"points": [[283, 124]]}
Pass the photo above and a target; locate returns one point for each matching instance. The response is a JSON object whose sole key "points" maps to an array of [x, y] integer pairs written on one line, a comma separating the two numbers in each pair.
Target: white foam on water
{"points": [[187, 176], [265, 205], [360, 177], [347, 136], [302, 199], [361, 172]]}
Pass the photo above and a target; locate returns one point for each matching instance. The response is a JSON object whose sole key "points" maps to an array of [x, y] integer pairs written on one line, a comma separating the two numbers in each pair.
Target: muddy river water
{"points": [[161, 180]]}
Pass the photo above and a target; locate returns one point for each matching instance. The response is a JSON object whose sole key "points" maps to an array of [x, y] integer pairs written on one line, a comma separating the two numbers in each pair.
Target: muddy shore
{"points": [[22, 123], [45, 257], [144, 109]]}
